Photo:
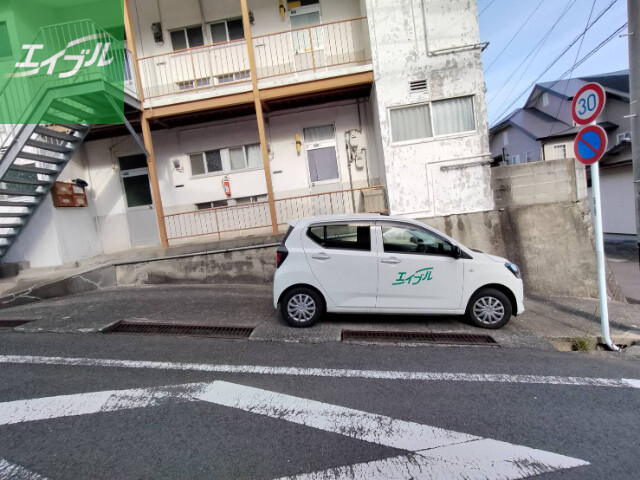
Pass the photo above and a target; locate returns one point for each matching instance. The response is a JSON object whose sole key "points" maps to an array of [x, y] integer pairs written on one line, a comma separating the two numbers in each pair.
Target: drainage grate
{"points": [[13, 323], [180, 329], [417, 337]]}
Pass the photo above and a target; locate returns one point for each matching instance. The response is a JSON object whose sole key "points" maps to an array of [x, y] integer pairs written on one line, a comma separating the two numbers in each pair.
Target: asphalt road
{"points": [[239, 421]]}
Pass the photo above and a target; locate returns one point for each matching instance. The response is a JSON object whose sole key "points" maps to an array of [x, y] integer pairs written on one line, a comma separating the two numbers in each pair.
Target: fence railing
{"points": [[298, 50], [312, 48], [195, 68], [248, 218]]}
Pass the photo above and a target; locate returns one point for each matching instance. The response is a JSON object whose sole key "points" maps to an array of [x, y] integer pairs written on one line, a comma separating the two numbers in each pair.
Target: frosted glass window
{"points": [[254, 156], [453, 116], [318, 134], [214, 161], [323, 164], [197, 165], [410, 123], [219, 32], [236, 157]]}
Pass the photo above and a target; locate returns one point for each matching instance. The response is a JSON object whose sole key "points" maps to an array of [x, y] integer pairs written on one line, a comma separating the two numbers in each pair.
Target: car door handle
{"points": [[321, 256], [391, 261]]}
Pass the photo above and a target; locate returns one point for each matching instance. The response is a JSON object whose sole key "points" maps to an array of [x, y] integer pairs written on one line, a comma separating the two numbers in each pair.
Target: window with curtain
{"points": [[442, 117], [318, 134], [453, 116], [410, 123], [226, 160]]}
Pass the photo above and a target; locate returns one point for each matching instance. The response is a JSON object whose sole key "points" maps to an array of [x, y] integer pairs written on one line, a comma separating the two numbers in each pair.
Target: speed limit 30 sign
{"points": [[587, 103]]}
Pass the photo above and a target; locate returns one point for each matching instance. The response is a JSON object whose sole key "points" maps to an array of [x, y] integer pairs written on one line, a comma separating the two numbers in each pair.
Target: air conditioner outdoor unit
{"points": [[623, 137]]}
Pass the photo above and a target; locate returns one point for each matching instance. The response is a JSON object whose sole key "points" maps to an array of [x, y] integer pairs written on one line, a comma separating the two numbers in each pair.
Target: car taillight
{"points": [[281, 255]]}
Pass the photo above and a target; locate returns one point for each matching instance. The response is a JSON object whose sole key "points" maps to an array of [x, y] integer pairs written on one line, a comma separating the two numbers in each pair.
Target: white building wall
{"points": [[58, 235], [616, 196], [419, 178], [288, 168]]}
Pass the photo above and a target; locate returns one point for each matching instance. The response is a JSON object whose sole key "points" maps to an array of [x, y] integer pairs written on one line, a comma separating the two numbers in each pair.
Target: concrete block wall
{"points": [[552, 244], [538, 183]]}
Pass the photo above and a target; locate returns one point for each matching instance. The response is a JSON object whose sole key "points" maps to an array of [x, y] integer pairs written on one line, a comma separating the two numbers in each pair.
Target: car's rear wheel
{"points": [[302, 307], [489, 308]]}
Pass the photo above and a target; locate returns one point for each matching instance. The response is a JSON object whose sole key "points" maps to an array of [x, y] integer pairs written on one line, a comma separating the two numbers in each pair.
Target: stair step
{"points": [[49, 132], [91, 102], [27, 181], [14, 214], [68, 109], [12, 225], [7, 191], [11, 203], [48, 146], [53, 119], [41, 158], [7, 235], [32, 169]]}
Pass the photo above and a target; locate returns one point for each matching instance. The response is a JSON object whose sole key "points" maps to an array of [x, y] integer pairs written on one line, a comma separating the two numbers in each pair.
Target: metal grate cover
{"points": [[417, 337], [13, 323], [180, 329]]}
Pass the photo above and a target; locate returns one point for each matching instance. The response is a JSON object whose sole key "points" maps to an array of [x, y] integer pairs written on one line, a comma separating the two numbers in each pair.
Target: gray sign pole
{"points": [[633, 11]]}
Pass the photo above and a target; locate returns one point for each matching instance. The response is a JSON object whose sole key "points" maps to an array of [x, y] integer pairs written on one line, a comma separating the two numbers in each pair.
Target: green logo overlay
{"points": [[63, 62], [422, 275]]}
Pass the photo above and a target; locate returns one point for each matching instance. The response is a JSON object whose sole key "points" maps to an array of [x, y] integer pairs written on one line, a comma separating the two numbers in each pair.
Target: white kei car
{"points": [[371, 263]]}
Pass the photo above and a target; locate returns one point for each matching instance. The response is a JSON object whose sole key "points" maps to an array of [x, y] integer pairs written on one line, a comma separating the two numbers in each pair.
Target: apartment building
{"points": [[245, 114]]}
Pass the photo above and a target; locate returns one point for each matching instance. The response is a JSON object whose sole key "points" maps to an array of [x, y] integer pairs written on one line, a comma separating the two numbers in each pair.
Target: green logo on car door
{"points": [[424, 274]]}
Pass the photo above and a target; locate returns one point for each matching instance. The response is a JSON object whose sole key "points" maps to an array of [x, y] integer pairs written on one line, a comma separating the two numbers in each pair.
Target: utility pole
{"points": [[633, 13]]}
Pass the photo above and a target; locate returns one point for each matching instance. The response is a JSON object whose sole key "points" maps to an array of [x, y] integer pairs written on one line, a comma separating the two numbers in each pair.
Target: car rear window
{"points": [[351, 237], [286, 235]]}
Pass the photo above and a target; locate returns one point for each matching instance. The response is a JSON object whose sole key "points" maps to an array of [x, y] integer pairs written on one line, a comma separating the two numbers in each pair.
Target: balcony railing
{"points": [[312, 48], [196, 68], [224, 222], [292, 51]]}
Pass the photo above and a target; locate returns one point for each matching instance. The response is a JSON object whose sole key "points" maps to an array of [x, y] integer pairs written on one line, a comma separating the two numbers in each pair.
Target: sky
{"points": [[501, 20]]}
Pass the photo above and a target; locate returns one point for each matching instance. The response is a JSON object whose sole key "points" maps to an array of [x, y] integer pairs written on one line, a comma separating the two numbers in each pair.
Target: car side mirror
{"points": [[456, 252]]}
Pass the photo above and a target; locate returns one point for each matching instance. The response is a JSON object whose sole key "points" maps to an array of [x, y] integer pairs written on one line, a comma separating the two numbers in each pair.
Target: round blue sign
{"points": [[590, 144]]}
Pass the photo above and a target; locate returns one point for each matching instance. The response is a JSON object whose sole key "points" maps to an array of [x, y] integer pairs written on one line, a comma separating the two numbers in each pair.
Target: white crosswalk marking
{"points": [[432, 452]]}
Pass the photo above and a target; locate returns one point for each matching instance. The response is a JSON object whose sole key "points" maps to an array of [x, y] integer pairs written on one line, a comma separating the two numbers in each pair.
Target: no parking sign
{"points": [[590, 144]]}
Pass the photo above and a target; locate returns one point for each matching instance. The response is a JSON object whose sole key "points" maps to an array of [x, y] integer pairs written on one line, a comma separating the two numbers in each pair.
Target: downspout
{"points": [[366, 158], [346, 146]]}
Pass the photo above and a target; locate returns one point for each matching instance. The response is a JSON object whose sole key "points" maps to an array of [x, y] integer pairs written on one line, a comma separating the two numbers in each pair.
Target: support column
{"points": [[131, 44], [633, 9], [153, 177], [259, 115]]}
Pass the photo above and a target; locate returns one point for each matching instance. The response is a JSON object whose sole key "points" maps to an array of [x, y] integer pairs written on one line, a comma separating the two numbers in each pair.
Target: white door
{"points": [[416, 269], [322, 159], [141, 213], [307, 37], [343, 261]]}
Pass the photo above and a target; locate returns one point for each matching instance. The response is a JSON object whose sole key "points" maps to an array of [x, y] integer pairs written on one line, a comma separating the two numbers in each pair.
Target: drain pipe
{"points": [[346, 144]]}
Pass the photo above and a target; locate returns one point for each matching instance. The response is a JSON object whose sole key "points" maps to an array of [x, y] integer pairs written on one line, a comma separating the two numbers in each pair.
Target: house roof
{"points": [[574, 130], [616, 84], [538, 125], [533, 123]]}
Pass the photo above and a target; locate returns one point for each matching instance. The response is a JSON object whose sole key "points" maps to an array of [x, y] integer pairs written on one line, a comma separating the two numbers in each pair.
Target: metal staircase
{"points": [[56, 121]]}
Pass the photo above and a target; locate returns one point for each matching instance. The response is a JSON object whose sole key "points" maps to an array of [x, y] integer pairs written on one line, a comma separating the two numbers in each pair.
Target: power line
{"points": [[566, 86], [580, 62], [567, 48], [538, 46], [485, 8], [518, 31]]}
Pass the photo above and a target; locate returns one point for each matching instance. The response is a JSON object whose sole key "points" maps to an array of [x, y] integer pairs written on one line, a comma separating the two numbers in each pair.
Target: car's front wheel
{"points": [[489, 308], [302, 307]]}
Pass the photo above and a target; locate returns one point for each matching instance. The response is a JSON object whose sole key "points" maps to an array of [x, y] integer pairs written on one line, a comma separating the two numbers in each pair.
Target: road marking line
{"points": [[12, 471], [326, 372], [440, 453], [48, 408], [435, 452], [366, 426]]}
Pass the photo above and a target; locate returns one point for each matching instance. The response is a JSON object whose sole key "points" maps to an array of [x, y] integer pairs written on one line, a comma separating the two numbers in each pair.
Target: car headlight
{"points": [[513, 268]]}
